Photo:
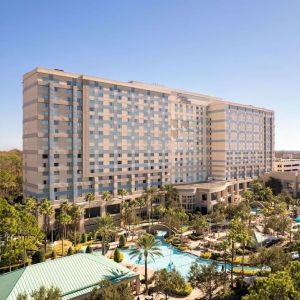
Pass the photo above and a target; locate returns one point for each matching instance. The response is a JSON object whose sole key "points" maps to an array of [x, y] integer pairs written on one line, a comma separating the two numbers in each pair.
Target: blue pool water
{"points": [[297, 219], [172, 258]]}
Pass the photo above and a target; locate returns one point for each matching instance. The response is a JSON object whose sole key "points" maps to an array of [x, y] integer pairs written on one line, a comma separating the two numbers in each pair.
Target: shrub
{"points": [[88, 249], [195, 237], [122, 241], [247, 272], [183, 247], [215, 256], [170, 238], [118, 256], [176, 242], [38, 256], [53, 254], [83, 238], [90, 236], [187, 290], [206, 255], [70, 251]]}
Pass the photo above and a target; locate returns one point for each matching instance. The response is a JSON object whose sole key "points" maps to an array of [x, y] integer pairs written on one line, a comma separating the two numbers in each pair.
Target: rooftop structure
{"points": [[74, 275]]}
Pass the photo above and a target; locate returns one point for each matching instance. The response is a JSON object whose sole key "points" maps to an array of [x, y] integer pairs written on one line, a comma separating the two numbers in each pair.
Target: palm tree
{"points": [[244, 239], [146, 246], [224, 246], [170, 194], [107, 196], [234, 236], [89, 197], [65, 207], [150, 194], [31, 205], [182, 217], [75, 213], [133, 219], [46, 210], [122, 193], [106, 229], [199, 224], [64, 220], [141, 203]]}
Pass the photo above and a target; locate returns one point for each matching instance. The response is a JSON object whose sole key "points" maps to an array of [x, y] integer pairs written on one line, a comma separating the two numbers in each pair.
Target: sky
{"points": [[247, 51]]}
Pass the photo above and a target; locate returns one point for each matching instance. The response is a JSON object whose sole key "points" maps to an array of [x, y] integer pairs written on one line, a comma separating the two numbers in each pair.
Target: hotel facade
{"points": [[86, 134]]}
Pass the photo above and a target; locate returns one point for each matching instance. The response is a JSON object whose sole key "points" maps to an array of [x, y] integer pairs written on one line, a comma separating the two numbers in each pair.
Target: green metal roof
{"points": [[74, 275]]}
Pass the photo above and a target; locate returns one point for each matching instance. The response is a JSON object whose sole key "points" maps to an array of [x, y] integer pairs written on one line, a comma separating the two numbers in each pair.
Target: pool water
{"points": [[172, 258]]}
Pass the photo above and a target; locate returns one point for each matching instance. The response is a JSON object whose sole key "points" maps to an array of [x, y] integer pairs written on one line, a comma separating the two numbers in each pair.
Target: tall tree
{"points": [[146, 246], [278, 286], [273, 257], [64, 220], [199, 224], [224, 247], [106, 196], [122, 193], [30, 233], [170, 194], [43, 293], [205, 277], [168, 282], [75, 213], [31, 205], [90, 197], [233, 236], [106, 229], [9, 227], [107, 291], [150, 194], [46, 210], [141, 203]]}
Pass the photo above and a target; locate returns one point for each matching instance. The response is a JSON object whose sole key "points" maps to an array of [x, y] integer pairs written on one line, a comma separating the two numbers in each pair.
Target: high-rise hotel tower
{"points": [[86, 134]]}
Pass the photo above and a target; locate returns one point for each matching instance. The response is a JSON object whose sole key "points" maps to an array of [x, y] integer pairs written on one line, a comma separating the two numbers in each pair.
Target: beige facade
{"points": [[290, 181], [287, 165], [205, 195], [87, 134]]}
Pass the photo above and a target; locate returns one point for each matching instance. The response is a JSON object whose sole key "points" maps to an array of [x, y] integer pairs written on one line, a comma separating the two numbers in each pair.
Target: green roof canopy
{"points": [[74, 275]]}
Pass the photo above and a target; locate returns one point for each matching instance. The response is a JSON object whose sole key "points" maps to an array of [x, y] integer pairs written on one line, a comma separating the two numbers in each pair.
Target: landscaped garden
{"points": [[217, 250]]}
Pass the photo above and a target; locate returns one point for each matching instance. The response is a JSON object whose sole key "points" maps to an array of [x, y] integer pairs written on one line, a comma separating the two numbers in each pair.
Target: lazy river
{"points": [[174, 258]]}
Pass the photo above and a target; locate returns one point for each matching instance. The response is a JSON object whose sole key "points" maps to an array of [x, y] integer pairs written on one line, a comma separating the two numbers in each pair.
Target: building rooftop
{"points": [[74, 275], [141, 85], [203, 185]]}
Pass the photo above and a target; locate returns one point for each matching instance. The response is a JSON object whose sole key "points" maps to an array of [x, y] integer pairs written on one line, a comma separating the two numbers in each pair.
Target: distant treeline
{"points": [[287, 154], [11, 175]]}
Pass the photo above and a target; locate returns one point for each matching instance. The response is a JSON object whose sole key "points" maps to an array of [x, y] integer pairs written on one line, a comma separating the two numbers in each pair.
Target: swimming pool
{"points": [[173, 258]]}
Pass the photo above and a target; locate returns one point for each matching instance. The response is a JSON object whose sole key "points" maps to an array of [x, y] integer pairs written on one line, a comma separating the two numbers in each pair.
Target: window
{"points": [[45, 155]]}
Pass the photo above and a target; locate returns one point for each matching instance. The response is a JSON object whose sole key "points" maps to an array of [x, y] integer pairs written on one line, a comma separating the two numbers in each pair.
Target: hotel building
{"points": [[86, 134]]}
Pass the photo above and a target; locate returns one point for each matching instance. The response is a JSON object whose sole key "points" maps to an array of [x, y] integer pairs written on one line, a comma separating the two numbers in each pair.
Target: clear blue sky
{"points": [[245, 51]]}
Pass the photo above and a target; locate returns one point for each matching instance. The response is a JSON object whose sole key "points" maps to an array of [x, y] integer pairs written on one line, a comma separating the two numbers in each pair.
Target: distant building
{"points": [[76, 276], [290, 181], [85, 134], [286, 165]]}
